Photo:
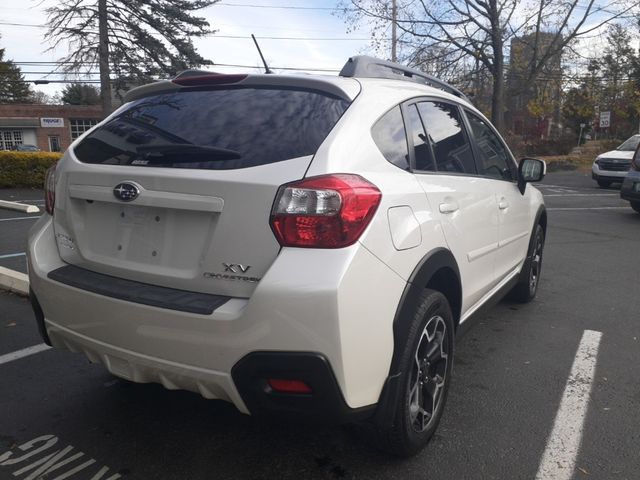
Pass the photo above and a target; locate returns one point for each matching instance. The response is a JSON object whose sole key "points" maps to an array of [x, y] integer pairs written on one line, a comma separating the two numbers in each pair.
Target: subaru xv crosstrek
{"points": [[298, 245]]}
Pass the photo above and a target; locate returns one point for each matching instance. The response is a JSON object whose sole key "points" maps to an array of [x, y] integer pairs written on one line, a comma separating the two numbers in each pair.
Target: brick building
{"points": [[51, 128]]}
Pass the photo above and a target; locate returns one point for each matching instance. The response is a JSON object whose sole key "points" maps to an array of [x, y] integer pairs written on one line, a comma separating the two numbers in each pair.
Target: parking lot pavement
{"points": [[14, 226], [514, 371]]}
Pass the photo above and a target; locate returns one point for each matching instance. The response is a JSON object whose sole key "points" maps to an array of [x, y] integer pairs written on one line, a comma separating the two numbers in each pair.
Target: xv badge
{"points": [[236, 267]]}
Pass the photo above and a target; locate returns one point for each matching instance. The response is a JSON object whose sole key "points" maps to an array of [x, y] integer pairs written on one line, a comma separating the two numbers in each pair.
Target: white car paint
{"points": [[339, 302], [614, 155]]}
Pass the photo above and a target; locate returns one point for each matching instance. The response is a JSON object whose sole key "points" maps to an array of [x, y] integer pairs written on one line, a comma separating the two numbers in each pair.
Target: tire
{"points": [[421, 391], [604, 183], [636, 206], [527, 287]]}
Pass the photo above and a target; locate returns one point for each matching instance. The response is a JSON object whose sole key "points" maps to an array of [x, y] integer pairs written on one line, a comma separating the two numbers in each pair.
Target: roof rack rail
{"points": [[364, 66]]}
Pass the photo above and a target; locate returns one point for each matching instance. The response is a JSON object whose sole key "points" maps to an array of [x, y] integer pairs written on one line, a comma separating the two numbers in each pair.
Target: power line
{"points": [[283, 7], [53, 72], [294, 38], [215, 35], [22, 24]]}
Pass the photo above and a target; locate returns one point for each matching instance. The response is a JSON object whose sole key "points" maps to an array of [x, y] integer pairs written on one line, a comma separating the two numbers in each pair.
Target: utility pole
{"points": [[103, 57], [394, 34]]}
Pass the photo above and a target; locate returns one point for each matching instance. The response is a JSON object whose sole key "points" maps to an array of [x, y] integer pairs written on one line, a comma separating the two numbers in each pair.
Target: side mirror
{"points": [[530, 170]]}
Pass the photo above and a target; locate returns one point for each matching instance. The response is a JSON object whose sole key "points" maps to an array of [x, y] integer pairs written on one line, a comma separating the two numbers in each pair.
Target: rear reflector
{"points": [[210, 79], [329, 211], [281, 385]]}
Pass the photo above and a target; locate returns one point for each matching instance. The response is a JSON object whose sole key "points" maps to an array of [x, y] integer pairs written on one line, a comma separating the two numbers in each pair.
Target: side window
{"points": [[424, 161], [450, 143], [494, 158], [389, 135]]}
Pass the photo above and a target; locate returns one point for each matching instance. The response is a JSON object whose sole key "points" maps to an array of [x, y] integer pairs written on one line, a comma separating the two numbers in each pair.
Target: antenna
{"points": [[266, 67]]}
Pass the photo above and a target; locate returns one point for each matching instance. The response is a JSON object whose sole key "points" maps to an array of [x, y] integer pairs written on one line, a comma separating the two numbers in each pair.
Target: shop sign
{"points": [[50, 122]]}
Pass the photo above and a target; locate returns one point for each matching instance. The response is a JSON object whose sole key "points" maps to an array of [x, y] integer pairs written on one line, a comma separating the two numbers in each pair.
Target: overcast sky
{"points": [[325, 42], [26, 44]]}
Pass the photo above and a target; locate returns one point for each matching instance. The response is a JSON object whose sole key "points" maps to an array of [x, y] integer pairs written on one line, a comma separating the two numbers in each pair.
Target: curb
{"points": [[21, 207], [13, 281]]}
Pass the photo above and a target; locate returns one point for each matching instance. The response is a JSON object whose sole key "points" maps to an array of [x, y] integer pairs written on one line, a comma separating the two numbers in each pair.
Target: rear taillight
{"points": [[329, 211], [50, 189]]}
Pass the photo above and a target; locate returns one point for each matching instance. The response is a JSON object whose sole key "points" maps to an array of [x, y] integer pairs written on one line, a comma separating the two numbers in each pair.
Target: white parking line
{"points": [[559, 458], [19, 218], [25, 352]]}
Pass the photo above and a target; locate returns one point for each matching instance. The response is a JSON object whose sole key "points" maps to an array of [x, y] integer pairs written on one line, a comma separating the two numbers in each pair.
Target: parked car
{"points": [[25, 148], [306, 245], [610, 167], [630, 189]]}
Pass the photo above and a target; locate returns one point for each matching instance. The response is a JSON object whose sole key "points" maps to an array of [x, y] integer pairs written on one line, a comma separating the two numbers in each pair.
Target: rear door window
{"points": [[216, 129], [449, 141], [421, 148], [495, 160]]}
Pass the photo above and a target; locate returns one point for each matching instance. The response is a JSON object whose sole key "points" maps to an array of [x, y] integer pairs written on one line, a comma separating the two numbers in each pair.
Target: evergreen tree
{"points": [[13, 87], [134, 39], [80, 94]]}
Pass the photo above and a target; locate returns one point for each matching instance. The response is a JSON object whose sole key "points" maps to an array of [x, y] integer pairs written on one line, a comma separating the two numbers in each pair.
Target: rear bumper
{"points": [[325, 401], [293, 309]]}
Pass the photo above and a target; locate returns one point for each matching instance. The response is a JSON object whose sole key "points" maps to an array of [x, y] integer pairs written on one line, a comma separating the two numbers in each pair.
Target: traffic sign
{"points": [[605, 119]]}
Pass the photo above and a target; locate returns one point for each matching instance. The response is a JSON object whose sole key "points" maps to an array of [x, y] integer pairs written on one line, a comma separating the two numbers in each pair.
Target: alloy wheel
{"points": [[428, 374]]}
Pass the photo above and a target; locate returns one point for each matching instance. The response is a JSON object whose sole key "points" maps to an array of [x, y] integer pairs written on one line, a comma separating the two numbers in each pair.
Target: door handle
{"points": [[448, 207], [503, 204]]}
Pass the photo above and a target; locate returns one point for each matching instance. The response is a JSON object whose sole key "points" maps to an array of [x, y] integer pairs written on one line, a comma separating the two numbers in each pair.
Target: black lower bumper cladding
{"points": [[325, 402], [37, 311]]}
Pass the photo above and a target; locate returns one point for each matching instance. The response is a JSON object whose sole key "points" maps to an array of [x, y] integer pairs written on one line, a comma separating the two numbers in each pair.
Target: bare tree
{"points": [[482, 29]]}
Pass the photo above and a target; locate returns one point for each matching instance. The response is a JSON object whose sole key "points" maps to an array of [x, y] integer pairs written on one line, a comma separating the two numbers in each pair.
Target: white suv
{"points": [[291, 244], [613, 166]]}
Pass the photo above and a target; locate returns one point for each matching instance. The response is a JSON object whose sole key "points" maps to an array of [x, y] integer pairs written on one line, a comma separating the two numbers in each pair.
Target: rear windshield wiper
{"points": [[161, 151]]}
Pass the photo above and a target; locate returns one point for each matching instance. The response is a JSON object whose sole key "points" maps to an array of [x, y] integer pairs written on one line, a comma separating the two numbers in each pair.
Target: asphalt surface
{"points": [[510, 372], [15, 225]]}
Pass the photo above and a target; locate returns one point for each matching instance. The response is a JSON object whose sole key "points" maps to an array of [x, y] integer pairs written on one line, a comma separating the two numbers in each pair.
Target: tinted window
{"points": [[494, 158], [450, 145], [421, 148], [214, 129], [391, 138]]}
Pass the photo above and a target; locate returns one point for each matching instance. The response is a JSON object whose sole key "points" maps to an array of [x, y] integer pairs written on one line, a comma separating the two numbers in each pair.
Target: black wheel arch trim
{"points": [[541, 219], [433, 262]]}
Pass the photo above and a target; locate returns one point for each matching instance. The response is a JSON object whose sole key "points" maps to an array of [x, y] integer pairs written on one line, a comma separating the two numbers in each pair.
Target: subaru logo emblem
{"points": [[126, 191]]}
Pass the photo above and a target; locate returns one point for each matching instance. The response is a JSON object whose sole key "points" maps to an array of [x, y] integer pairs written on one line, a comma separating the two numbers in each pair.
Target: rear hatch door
{"points": [[176, 188]]}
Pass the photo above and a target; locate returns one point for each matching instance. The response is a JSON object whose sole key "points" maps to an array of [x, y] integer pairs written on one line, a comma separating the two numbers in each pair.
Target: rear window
{"points": [[214, 129]]}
